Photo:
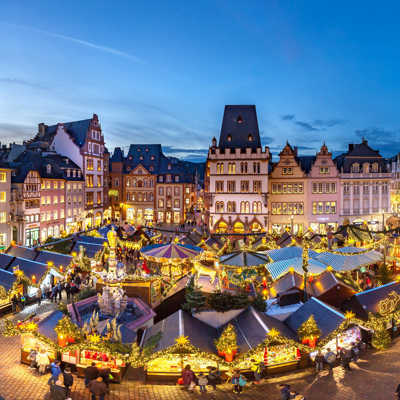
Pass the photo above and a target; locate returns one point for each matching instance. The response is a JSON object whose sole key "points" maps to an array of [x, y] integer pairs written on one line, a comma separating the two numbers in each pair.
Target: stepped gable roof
{"points": [[326, 317], [77, 130], [118, 155], [239, 121], [306, 162], [359, 153], [252, 327], [7, 279]]}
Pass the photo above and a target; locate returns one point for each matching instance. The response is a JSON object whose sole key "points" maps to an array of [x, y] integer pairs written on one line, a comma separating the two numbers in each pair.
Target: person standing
{"points": [[98, 388], [58, 391], [14, 303], [213, 377], [55, 372], [68, 381], [202, 382], [330, 358], [257, 368], [345, 357], [42, 360], [188, 378], [39, 296], [319, 362], [398, 391], [32, 358], [238, 382], [68, 290], [284, 391], [91, 373]]}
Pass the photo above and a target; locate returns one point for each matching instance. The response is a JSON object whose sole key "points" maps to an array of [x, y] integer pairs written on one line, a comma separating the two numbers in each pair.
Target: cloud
{"points": [[14, 132], [288, 117], [306, 126], [329, 123], [105, 49], [385, 140], [267, 140], [21, 82]]}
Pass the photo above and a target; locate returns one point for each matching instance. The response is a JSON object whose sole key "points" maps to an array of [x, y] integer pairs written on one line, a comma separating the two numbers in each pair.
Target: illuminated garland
{"points": [[227, 342]]}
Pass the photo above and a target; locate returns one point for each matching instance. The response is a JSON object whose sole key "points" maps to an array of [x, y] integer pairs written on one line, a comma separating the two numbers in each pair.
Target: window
{"points": [[231, 186], [98, 181], [98, 198], [231, 206], [232, 168], [55, 185], [384, 187], [219, 186], [176, 203], [3, 177], [98, 165], [355, 168], [346, 188], [89, 198], [55, 199], [256, 207], [219, 206], [365, 188], [256, 167], [43, 200], [169, 166], [161, 191], [89, 164], [324, 170], [229, 138], [168, 178], [327, 207], [356, 188], [287, 208], [3, 217], [89, 181], [257, 186], [375, 167], [61, 199], [250, 137], [48, 183], [160, 203], [55, 214], [220, 168], [2, 197], [244, 186], [43, 185], [177, 191], [245, 207], [243, 167], [287, 171]]}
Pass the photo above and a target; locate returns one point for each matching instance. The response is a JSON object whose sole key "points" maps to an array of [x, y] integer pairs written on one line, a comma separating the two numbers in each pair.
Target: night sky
{"points": [[162, 71]]}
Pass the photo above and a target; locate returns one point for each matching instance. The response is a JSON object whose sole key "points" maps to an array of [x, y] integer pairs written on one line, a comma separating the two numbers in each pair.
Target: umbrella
{"points": [[171, 251], [244, 259]]}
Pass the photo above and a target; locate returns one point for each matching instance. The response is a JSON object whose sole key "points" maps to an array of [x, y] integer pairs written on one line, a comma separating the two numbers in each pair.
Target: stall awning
{"points": [[280, 268], [288, 252]]}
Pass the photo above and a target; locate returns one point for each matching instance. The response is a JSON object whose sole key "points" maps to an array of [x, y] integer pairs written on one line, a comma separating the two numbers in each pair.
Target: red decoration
{"points": [[230, 356], [145, 268]]}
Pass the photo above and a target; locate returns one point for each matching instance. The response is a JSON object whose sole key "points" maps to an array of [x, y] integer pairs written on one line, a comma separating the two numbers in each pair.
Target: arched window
{"points": [[128, 182], [229, 138], [238, 227], [140, 184], [134, 183], [250, 137], [375, 167], [231, 206], [219, 206], [222, 227], [243, 167], [355, 168], [366, 168], [255, 207], [247, 207]]}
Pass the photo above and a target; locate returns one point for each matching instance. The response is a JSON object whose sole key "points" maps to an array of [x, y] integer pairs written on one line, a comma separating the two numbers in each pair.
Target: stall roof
{"points": [[47, 325], [340, 262], [5, 260], [288, 252], [7, 279], [252, 327], [179, 324], [30, 267], [20, 251], [58, 259], [91, 239], [369, 299], [244, 259], [324, 282], [90, 248], [287, 282], [326, 317], [279, 268]]}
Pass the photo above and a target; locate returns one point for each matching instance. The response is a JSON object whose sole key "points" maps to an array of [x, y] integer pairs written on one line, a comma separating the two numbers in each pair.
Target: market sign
{"points": [[390, 304]]}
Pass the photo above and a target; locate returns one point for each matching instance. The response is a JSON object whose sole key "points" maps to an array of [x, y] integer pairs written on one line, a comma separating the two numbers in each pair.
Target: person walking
{"points": [[68, 381], [398, 391], [39, 296], [189, 378], [32, 358], [202, 382], [355, 352], [55, 372], [330, 358], [257, 369], [345, 357], [58, 391], [284, 391], [14, 303], [91, 373], [319, 362], [42, 360], [98, 388]]}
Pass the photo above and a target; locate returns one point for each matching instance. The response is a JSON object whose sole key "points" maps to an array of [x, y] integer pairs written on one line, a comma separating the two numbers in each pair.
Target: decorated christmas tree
{"points": [[227, 343], [135, 357], [309, 332], [195, 300], [67, 331], [381, 338]]}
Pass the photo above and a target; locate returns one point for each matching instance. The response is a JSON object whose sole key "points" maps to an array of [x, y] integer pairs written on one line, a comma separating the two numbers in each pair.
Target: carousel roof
{"points": [[279, 268], [326, 317], [171, 250], [244, 259]]}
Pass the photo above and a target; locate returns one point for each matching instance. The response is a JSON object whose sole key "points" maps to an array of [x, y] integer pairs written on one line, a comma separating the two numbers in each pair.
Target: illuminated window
{"points": [[3, 177]]}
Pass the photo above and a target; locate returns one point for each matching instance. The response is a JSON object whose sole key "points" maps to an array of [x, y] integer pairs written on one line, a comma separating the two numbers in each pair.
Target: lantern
{"points": [[33, 279]]}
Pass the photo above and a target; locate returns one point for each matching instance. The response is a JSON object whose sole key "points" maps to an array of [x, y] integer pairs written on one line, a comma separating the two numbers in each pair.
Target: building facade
{"points": [[323, 193], [5, 200], [364, 185], [236, 178]]}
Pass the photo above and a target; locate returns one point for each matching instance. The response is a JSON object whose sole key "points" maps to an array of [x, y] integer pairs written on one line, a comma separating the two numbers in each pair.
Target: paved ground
{"points": [[374, 378]]}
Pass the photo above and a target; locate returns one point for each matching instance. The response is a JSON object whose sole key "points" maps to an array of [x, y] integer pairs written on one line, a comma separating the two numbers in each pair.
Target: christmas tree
{"points": [[227, 342], [308, 331], [195, 300], [68, 329], [381, 338], [135, 358]]}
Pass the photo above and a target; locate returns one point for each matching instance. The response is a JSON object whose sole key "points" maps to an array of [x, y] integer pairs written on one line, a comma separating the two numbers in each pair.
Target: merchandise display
{"points": [[30, 342]]}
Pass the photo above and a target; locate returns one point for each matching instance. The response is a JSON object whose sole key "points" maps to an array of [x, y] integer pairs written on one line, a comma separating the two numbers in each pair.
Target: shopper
{"points": [[319, 362], [330, 358], [189, 378], [55, 371], [32, 358], [202, 382], [68, 380], [345, 358], [238, 382], [91, 373], [42, 360], [98, 388], [58, 391], [257, 369], [213, 377], [284, 391]]}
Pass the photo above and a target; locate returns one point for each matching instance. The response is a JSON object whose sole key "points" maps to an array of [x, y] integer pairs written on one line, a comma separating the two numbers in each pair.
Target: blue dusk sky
{"points": [[162, 71]]}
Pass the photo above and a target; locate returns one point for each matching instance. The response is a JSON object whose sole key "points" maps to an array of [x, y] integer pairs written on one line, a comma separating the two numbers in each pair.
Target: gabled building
{"points": [[365, 182], [236, 180], [83, 143], [5, 199]]}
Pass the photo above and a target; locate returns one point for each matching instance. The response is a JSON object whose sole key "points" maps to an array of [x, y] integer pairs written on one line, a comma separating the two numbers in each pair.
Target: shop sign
{"points": [[390, 304]]}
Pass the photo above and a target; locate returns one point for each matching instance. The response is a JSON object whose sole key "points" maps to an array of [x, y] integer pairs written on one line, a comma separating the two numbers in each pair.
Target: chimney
{"points": [[351, 146], [42, 129]]}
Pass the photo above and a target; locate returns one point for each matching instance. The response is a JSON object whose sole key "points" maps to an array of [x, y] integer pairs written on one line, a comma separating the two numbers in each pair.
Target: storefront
{"points": [[177, 216], [322, 227], [98, 219], [31, 236], [149, 215]]}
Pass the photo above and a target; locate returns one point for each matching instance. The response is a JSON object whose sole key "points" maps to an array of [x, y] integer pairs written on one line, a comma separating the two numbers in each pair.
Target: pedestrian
{"points": [[330, 358], [60, 288], [355, 351], [32, 358], [345, 357], [319, 362], [98, 388], [23, 299], [58, 391], [238, 382], [39, 296], [42, 360], [91, 373], [296, 396], [14, 303], [55, 372], [68, 290], [257, 368], [202, 382], [284, 391], [105, 373], [213, 377], [54, 293], [189, 378], [68, 381]]}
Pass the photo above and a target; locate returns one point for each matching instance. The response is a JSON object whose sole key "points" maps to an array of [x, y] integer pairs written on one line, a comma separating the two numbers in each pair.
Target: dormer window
{"points": [[152, 158], [177, 178], [355, 168], [160, 179], [250, 137], [141, 158], [147, 149], [48, 168], [229, 138], [239, 119], [130, 158], [151, 168], [138, 149], [169, 166]]}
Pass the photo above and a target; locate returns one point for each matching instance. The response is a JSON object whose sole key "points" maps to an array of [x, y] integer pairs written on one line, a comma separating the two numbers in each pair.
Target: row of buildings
{"points": [[65, 180], [246, 191]]}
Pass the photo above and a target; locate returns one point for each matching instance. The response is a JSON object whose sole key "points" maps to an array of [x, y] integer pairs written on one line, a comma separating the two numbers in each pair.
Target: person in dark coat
{"points": [[213, 377], [98, 388], [188, 378], [58, 391], [68, 380], [284, 391], [91, 373], [345, 358], [105, 374]]}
